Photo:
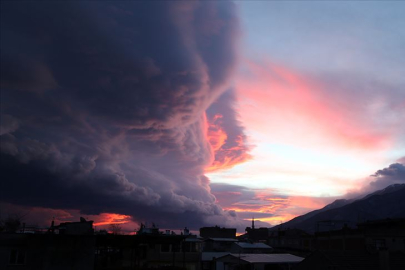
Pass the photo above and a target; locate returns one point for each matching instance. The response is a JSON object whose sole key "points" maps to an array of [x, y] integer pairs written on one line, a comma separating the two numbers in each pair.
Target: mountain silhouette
{"points": [[385, 203]]}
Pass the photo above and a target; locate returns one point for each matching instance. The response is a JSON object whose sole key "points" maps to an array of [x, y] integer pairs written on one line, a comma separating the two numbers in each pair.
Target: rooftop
{"points": [[223, 239], [267, 258], [252, 245]]}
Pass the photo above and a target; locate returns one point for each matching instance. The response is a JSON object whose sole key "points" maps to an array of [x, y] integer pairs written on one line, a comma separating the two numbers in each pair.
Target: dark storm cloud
{"points": [[393, 174], [245, 200], [228, 194], [161, 57], [102, 106]]}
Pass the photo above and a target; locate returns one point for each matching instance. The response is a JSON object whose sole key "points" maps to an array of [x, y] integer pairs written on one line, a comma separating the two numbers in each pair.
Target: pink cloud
{"points": [[228, 150], [293, 107]]}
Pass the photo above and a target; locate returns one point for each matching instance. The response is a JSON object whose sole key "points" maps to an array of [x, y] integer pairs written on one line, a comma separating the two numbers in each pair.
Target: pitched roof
{"points": [[266, 258], [209, 256], [223, 239], [252, 245]]}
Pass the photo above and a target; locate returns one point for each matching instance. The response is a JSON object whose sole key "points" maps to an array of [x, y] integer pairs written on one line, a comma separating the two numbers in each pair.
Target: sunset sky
{"points": [[198, 113]]}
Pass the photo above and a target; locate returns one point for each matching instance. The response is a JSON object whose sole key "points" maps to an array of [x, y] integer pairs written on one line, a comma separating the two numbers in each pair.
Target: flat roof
{"points": [[266, 258]]}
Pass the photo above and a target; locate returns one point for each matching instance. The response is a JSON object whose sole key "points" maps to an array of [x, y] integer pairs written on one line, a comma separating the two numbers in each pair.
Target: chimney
{"points": [[253, 223], [53, 225]]}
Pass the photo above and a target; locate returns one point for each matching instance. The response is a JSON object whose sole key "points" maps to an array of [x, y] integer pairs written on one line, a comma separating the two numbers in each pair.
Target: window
{"points": [[379, 243], [17, 257], [186, 247], [190, 247], [176, 248], [193, 247]]}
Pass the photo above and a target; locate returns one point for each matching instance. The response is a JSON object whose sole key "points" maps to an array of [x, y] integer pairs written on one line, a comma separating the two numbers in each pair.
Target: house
{"points": [[209, 259], [290, 240], [372, 236], [378, 244], [75, 228], [217, 232], [219, 244], [46, 251], [148, 249], [386, 233], [255, 234], [353, 260]]}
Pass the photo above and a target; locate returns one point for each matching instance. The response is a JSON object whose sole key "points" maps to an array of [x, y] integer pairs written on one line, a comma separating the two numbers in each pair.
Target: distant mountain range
{"points": [[386, 203]]}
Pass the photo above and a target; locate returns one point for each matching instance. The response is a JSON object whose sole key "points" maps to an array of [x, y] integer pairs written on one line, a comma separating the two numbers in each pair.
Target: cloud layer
{"points": [[103, 107], [226, 133], [272, 206], [267, 206]]}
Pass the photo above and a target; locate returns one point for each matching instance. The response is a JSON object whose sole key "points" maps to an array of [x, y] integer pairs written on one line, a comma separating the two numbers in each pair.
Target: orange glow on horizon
{"points": [[111, 218], [276, 220], [279, 208]]}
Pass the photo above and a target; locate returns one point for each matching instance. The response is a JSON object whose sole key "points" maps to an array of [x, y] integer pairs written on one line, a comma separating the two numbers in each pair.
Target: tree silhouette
{"points": [[10, 224]]}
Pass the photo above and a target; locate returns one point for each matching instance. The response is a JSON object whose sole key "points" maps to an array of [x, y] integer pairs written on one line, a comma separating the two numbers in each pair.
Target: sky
{"points": [[192, 114]]}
